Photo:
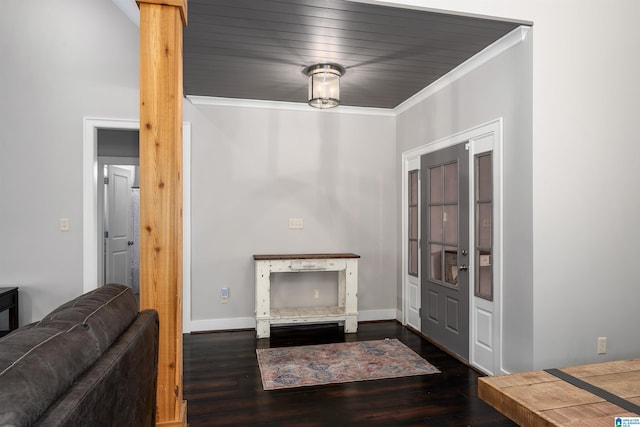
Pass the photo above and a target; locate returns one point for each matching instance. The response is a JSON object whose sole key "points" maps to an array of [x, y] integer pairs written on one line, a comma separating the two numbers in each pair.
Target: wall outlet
{"points": [[316, 293], [63, 224], [224, 295], [602, 345]]}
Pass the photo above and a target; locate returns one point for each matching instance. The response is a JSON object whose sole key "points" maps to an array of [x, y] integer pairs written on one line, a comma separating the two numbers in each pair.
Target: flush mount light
{"points": [[324, 84]]}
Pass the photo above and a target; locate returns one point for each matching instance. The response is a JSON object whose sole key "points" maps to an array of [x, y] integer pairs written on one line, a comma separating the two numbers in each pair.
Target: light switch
{"points": [[296, 223], [64, 224]]}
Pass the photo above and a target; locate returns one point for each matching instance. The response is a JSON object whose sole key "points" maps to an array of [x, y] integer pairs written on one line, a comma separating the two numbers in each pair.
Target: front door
{"points": [[445, 248]]}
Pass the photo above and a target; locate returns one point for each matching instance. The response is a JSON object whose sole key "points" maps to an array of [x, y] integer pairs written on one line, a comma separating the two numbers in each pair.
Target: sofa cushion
{"points": [[106, 312], [40, 361]]}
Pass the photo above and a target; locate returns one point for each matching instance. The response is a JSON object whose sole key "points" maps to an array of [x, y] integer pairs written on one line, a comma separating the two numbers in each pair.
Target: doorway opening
{"points": [[118, 212], [91, 238], [482, 317]]}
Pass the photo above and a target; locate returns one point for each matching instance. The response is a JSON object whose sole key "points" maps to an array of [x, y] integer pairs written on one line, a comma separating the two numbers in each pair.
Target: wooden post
{"points": [[161, 23]]}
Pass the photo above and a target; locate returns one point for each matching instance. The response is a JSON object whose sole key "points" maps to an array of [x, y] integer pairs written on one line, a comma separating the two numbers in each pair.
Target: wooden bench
{"points": [[588, 395]]}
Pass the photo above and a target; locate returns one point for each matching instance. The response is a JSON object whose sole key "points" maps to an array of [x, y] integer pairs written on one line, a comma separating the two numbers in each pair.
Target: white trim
{"points": [[223, 324], [250, 322], [491, 127], [186, 227], [450, 140], [90, 201], [403, 5], [487, 54], [281, 105], [372, 315]]}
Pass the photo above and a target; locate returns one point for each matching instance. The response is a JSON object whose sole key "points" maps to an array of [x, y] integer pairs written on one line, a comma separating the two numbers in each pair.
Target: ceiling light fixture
{"points": [[324, 84]]}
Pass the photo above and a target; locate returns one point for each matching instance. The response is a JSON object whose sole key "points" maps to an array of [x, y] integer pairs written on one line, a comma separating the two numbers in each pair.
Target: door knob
{"points": [[463, 267], [129, 243]]}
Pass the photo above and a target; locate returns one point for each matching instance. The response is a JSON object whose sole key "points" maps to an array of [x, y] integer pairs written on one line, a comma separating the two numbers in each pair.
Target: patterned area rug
{"points": [[288, 367]]}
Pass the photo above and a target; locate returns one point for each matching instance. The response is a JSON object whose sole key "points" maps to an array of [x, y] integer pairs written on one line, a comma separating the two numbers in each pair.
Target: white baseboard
{"points": [[221, 324], [371, 315], [250, 322]]}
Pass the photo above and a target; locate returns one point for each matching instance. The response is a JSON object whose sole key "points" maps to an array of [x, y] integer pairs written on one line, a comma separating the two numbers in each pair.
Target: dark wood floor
{"points": [[223, 387]]}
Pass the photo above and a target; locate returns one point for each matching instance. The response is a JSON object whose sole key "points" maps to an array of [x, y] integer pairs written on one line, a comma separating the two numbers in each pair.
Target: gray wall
{"points": [[61, 61], [499, 88], [586, 179], [118, 143], [253, 169], [586, 199]]}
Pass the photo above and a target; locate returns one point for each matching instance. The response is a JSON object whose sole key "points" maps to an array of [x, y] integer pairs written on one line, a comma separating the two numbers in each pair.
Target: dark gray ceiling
{"points": [[256, 49]]}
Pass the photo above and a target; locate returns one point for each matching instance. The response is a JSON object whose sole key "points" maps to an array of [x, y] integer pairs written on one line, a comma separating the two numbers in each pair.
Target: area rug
{"points": [[288, 367]]}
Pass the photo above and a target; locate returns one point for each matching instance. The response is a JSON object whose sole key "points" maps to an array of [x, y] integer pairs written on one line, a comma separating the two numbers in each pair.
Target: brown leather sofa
{"points": [[91, 362]]}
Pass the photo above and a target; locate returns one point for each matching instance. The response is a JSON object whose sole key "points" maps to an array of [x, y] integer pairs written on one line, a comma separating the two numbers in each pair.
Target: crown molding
{"points": [[290, 106], [487, 54]]}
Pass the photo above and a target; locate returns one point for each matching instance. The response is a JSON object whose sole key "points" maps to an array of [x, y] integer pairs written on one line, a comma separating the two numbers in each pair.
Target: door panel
{"points": [[453, 314], [445, 280], [412, 273], [484, 321], [485, 336], [483, 345], [118, 225], [432, 314]]}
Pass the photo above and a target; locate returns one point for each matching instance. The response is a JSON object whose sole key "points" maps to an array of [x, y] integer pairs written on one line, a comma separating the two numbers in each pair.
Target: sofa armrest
{"points": [[119, 388]]}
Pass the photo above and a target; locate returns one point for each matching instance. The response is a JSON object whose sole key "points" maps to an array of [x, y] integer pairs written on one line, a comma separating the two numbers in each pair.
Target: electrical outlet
{"points": [[64, 224], [485, 260], [224, 295], [316, 293], [602, 345]]}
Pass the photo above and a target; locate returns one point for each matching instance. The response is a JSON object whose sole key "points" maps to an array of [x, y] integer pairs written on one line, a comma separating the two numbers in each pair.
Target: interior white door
{"points": [[117, 225]]}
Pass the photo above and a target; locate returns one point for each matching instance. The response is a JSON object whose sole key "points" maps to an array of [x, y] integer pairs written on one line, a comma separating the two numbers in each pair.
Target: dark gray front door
{"points": [[445, 248]]}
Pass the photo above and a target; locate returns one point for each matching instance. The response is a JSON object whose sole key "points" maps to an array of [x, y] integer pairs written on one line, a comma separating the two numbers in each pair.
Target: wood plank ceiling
{"points": [[256, 49]]}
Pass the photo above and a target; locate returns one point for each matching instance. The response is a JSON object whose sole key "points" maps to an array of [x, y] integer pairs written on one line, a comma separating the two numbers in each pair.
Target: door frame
{"points": [[480, 132], [90, 205]]}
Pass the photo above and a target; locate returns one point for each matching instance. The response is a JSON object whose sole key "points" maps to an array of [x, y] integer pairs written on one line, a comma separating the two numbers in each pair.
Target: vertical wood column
{"points": [[161, 24]]}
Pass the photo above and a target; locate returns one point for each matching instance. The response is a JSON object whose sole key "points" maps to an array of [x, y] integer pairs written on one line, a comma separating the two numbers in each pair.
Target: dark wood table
{"points": [[9, 301]]}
